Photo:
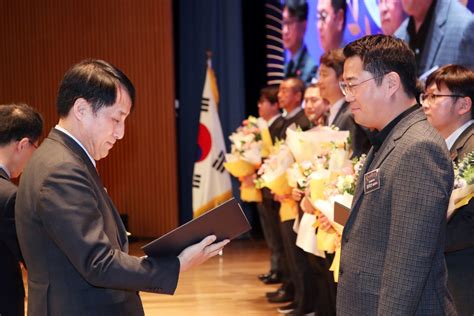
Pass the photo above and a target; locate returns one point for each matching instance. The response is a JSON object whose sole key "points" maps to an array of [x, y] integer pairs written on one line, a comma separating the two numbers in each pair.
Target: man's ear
{"points": [[22, 144], [80, 108], [393, 82], [466, 104], [340, 20]]}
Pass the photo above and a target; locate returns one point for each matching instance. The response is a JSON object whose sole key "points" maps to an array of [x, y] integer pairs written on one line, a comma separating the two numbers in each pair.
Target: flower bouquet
{"points": [[316, 142], [272, 174], [250, 143], [463, 184]]}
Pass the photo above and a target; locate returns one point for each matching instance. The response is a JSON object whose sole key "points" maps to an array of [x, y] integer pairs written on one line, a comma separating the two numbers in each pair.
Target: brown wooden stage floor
{"points": [[224, 285]]}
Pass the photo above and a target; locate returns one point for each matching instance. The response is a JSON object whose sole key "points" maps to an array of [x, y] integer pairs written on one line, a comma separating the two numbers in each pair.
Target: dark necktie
{"points": [[290, 70]]}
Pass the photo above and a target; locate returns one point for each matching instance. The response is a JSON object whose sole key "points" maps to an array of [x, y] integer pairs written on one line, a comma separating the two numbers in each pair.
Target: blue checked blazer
{"points": [[392, 259], [450, 39]]}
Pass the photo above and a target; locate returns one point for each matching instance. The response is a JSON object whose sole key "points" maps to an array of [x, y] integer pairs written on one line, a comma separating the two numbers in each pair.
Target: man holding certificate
{"points": [[392, 257], [70, 233]]}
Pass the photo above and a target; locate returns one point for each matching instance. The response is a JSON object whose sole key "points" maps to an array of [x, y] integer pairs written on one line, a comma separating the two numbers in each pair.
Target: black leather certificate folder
{"points": [[341, 213], [226, 221]]}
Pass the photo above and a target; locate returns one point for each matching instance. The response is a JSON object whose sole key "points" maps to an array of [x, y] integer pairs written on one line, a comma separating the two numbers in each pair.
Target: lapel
{"points": [[437, 33], [340, 113], [275, 128], [4, 175], [458, 145], [71, 145], [374, 161]]}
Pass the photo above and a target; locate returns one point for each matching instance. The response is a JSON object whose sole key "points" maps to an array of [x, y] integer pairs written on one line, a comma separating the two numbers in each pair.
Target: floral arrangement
{"points": [[463, 184], [250, 143]]}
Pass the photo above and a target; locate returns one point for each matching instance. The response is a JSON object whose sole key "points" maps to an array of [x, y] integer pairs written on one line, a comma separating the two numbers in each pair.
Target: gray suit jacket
{"points": [[73, 240], [392, 259], [450, 39]]}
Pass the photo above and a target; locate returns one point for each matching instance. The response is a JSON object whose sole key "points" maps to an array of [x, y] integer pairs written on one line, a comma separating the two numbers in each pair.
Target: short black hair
{"points": [[297, 9], [340, 5], [94, 80], [334, 59], [458, 79], [381, 54], [270, 93], [18, 121], [297, 85]]}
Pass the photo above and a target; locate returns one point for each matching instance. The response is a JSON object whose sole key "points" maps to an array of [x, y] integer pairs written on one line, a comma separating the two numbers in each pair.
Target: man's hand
{"points": [[297, 194], [196, 254], [324, 222], [306, 206]]}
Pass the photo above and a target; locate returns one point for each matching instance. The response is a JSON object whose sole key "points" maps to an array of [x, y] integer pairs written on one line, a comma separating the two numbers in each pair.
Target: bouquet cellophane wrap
{"points": [[459, 197], [306, 145], [267, 143], [306, 235], [240, 168], [274, 168], [288, 209], [250, 194], [330, 240]]}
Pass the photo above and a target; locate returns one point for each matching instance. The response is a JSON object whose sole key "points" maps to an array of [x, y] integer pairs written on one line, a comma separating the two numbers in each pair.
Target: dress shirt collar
{"points": [[59, 128], [297, 55], [6, 170], [333, 110], [293, 112], [272, 120], [451, 139]]}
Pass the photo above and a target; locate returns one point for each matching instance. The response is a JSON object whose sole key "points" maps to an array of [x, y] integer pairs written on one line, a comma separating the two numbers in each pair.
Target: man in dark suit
{"points": [[290, 97], [70, 233], [447, 103], [300, 63], [20, 130], [440, 32], [392, 255], [340, 115], [269, 110]]}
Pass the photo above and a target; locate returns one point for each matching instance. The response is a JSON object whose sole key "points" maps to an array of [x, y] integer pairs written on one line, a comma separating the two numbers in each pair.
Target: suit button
{"points": [[346, 240], [341, 272]]}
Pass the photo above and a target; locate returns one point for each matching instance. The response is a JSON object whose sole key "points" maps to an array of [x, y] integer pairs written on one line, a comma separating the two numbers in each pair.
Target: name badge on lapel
{"points": [[371, 181]]}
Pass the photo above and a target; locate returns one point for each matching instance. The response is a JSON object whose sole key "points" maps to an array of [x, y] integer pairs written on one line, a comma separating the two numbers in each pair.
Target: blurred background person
{"points": [[300, 64], [331, 21], [439, 32], [391, 15], [447, 103], [20, 129]]}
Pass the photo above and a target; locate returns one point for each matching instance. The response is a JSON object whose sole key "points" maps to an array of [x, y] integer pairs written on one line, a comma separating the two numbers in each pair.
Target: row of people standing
{"points": [[393, 115]]}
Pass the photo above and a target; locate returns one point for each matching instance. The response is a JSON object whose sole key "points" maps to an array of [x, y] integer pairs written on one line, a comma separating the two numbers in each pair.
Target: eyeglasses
{"points": [[289, 23], [430, 98], [32, 144], [321, 16], [348, 88]]}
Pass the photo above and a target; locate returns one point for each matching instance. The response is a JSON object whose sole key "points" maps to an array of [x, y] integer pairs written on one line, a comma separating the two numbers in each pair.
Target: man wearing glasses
{"points": [[331, 20], [447, 103], [20, 130], [300, 64], [392, 257]]}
